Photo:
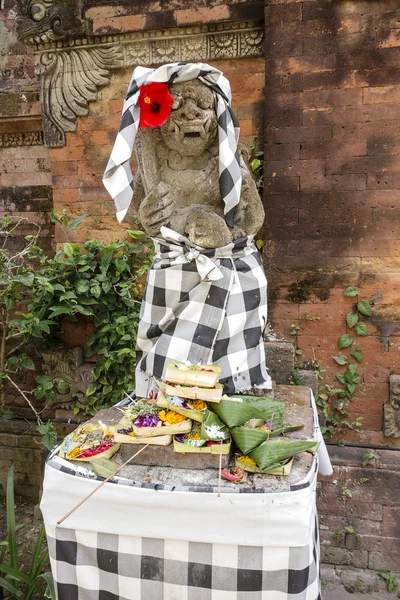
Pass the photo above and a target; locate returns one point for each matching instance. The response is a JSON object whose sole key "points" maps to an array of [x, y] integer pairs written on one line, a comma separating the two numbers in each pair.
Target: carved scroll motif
{"points": [[69, 81]]}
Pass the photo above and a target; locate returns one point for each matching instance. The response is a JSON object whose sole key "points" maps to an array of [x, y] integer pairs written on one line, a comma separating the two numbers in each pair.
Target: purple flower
{"points": [[147, 420]]}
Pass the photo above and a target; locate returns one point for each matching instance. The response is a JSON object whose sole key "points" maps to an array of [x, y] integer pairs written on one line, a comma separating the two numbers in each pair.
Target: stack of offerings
{"points": [[191, 391]]}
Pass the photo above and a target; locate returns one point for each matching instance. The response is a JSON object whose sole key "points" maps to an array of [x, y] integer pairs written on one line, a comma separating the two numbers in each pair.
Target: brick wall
{"points": [[77, 168], [365, 499], [332, 184]]}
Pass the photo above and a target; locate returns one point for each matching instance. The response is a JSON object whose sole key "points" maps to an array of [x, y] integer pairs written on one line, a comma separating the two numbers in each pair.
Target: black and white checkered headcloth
{"points": [[118, 179]]}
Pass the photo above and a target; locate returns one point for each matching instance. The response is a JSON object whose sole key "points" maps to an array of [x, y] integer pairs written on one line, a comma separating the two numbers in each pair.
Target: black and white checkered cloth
{"points": [[88, 565], [204, 305], [118, 178]]}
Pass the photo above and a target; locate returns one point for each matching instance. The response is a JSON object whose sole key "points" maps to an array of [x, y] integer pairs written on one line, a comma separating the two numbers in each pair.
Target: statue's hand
{"points": [[157, 209], [206, 228]]}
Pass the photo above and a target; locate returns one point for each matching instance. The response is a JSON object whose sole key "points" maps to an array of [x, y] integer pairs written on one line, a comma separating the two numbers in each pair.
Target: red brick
{"points": [[116, 106], [383, 181], [15, 179], [325, 149], [276, 15], [105, 122], [66, 154], [332, 182], [118, 24], [66, 196], [362, 165], [64, 168], [297, 134], [332, 98], [202, 15], [282, 151], [277, 185]]}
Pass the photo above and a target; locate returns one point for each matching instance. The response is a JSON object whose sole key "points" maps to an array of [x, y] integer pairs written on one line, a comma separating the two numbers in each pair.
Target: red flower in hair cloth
{"points": [[155, 103]]}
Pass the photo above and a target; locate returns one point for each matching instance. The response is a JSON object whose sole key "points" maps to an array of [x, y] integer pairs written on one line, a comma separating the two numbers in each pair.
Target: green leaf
{"points": [[68, 249], [135, 234], [351, 387], [345, 341], [50, 590], [350, 292], [96, 291], [341, 359], [59, 310], [351, 319], [255, 164], [357, 354], [365, 308], [91, 389], [340, 379], [82, 286], [27, 363], [7, 585], [75, 222], [361, 329], [49, 435], [353, 369]]}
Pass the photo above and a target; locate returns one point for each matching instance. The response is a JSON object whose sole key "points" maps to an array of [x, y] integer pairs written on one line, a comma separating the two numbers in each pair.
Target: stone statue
{"points": [[177, 182], [72, 376]]}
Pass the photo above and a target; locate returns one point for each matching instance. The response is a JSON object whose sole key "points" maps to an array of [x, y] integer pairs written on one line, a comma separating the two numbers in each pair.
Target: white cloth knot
{"points": [[206, 268]]}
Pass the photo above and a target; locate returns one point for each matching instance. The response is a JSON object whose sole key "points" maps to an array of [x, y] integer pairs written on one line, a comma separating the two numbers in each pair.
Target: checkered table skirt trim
{"points": [[95, 566]]}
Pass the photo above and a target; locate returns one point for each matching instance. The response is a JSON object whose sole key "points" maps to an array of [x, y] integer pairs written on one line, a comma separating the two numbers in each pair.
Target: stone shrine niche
{"points": [[177, 185]]}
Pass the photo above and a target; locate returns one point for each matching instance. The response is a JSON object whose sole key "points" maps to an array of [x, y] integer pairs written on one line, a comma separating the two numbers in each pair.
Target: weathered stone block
{"points": [[279, 357], [164, 456]]}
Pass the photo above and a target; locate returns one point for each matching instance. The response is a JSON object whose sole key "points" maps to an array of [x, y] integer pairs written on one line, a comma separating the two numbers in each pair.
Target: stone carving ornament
{"points": [[392, 409]]}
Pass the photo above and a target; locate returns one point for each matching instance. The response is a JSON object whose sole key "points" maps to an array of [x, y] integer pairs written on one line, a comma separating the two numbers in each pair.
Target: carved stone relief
{"points": [[26, 138], [69, 80], [72, 70], [391, 409], [72, 375]]}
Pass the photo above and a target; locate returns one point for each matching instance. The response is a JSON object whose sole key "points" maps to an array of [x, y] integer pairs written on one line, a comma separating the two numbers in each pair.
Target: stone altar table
{"points": [[162, 533]]}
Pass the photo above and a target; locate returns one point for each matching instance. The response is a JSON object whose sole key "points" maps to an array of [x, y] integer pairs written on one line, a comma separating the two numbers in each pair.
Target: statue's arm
{"points": [[249, 214]]}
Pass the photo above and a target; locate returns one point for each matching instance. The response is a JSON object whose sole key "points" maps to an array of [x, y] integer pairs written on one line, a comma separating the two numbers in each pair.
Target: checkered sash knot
{"points": [[118, 178], [204, 305]]}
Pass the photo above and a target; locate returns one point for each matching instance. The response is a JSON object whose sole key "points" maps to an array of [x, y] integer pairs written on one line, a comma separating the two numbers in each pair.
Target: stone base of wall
{"points": [[21, 447], [359, 510]]}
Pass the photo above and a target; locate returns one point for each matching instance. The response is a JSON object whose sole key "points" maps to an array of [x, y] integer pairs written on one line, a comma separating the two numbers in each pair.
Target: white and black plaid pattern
{"points": [[118, 177], [95, 566], [204, 305]]}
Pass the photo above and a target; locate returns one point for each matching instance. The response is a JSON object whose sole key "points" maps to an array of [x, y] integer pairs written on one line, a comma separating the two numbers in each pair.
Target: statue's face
{"points": [[192, 125]]}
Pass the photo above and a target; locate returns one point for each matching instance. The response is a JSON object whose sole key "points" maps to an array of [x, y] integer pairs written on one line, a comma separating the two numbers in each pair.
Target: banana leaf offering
{"points": [[270, 454], [235, 414], [89, 442], [256, 431], [192, 409], [248, 464], [187, 374], [193, 442], [147, 420]]}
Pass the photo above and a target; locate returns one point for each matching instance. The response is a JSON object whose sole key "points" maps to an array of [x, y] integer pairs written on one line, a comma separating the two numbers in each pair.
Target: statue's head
{"points": [[192, 125]]}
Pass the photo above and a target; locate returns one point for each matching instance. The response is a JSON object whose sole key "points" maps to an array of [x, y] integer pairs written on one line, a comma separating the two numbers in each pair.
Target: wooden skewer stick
{"points": [[220, 470], [99, 486]]}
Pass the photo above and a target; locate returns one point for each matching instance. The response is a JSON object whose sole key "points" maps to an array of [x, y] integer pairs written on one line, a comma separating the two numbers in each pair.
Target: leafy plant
{"points": [[390, 580], [18, 581], [20, 272], [103, 284], [257, 165], [369, 457]]}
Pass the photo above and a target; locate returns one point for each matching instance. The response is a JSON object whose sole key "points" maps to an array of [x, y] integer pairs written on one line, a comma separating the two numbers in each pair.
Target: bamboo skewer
{"points": [[99, 486], [220, 470]]}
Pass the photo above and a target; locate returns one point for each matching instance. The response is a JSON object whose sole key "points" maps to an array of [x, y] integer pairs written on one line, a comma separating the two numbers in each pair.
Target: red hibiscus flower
{"points": [[155, 103]]}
